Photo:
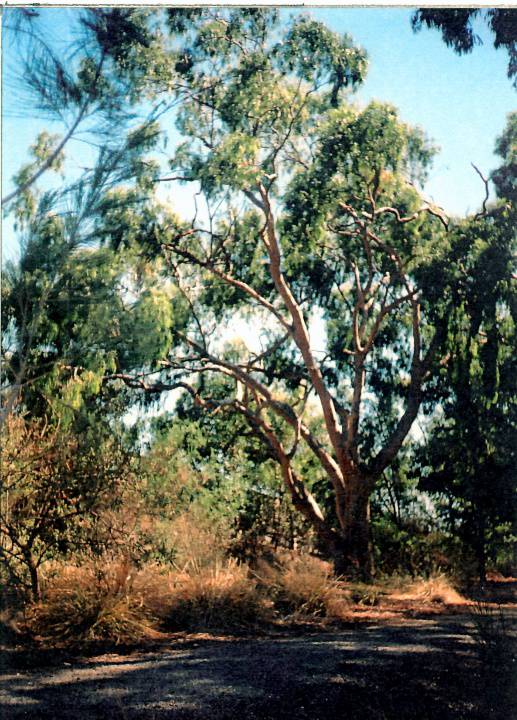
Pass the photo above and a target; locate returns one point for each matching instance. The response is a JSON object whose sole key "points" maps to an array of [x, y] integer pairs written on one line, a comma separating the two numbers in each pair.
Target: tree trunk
{"points": [[353, 552], [34, 578], [481, 548]]}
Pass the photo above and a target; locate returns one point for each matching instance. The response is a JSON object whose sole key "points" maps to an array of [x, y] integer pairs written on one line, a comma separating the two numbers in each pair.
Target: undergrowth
{"points": [[112, 600], [91, 603], [222, 596], [303, 586]]}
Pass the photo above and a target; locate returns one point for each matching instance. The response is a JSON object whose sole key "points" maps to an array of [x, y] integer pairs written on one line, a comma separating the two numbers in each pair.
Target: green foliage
{"points": [[458, 33], [471, 453], [504, 177], [55, 486]]}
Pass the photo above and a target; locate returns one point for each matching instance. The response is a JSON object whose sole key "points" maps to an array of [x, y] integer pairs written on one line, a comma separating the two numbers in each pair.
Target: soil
{"points": [[414, 666]]}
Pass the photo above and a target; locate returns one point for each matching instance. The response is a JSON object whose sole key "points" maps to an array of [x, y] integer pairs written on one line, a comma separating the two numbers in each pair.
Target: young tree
{"points": [[312, 212], [55, 483]]}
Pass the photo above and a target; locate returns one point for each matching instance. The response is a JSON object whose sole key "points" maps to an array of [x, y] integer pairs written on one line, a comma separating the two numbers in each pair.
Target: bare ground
{"points": [[406, 658], [399, 668]]}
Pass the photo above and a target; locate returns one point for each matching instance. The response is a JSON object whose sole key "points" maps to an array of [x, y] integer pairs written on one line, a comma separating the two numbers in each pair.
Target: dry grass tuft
{"points": [[222, 597], [91, 603], [437, 589], [303, 586]]}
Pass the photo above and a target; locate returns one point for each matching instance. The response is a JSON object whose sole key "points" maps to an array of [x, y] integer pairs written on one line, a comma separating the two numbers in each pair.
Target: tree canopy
{"points": [[310, 225]]}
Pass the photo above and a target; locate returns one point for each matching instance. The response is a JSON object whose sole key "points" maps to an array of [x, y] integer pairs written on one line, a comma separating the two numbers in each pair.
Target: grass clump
{"points": [[303, 586], [221, 596], [91, 603], [437, 589], [493, 634]]}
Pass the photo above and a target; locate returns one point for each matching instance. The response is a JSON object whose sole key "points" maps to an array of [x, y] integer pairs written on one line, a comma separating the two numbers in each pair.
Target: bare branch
{"points": [[282, 409], [409, 218], [487, 192], [301, 333], [239, 284]]}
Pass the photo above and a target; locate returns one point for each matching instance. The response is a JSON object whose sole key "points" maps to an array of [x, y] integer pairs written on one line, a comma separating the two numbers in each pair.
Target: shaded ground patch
{"points": [[413, 668]]}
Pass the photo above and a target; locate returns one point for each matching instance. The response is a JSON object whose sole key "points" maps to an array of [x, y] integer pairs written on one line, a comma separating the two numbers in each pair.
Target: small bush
{"points": [[220, 597], [413, 549], [304, 586], [90, 604]]}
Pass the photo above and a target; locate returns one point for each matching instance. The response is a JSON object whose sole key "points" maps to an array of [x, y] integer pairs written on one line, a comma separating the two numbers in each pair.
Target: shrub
{"points": [[412, 548], [56, 487]]}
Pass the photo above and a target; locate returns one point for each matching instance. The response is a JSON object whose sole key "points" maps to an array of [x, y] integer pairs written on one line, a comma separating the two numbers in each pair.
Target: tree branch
{"points": [[301, 335], [487, 193], [239, 284]]}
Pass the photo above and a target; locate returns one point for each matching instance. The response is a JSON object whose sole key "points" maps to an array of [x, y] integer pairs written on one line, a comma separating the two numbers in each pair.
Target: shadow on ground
{"points": [[417, 670]]}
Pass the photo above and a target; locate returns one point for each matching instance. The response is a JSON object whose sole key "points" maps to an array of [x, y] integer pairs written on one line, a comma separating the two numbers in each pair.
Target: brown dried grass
{"points": [[221, 596], [437, 589], [91, 603], [303, 586]]}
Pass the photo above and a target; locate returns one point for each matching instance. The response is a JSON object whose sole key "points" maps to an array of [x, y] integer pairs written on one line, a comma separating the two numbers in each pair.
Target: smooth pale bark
{"points": [[347, 535]]}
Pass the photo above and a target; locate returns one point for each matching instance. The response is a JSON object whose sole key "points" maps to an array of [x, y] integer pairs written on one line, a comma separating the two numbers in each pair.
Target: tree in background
{"points": [[470, 456]]}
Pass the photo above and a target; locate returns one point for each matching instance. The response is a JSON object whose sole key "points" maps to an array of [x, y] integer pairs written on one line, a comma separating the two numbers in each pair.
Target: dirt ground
{"points": [[406, 658], [407, 668]]}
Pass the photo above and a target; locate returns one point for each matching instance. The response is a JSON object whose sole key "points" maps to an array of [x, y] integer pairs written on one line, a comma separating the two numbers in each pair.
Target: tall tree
{"points": [[311, 212]]}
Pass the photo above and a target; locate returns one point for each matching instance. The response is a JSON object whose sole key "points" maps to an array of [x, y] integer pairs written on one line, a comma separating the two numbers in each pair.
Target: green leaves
{"points": [[505, 177], [319, 56]]}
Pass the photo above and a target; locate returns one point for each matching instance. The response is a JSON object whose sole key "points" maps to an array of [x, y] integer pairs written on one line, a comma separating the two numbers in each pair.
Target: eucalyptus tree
{"points": [[310, 212]]}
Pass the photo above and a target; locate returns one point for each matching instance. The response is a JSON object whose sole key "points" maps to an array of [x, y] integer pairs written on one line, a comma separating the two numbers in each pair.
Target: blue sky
{"points": [[461, 102]]}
